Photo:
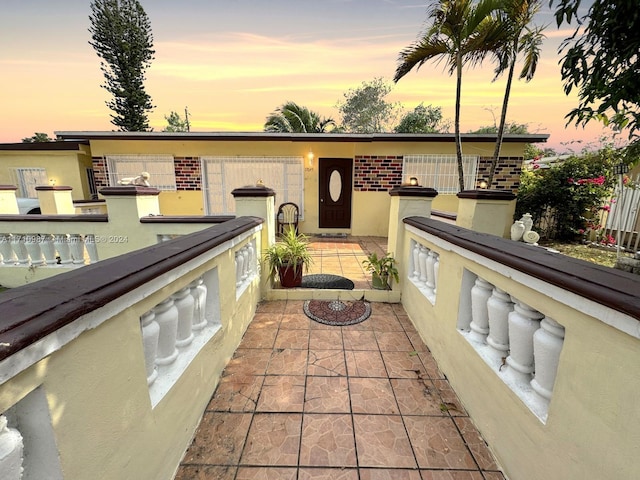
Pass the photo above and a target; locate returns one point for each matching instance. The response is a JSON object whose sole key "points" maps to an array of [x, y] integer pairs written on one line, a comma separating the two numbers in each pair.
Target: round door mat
{"points": [[325, 280], [337, 312]]}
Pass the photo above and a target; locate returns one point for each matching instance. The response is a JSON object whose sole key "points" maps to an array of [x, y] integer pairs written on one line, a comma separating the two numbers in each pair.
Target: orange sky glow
{"points": [[232, 65]]}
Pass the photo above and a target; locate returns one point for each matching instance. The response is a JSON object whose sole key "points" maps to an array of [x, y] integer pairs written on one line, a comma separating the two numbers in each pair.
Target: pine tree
{"points": [[121, 36]]}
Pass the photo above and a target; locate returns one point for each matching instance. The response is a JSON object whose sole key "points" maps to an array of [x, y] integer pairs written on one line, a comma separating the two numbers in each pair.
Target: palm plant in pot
{"points": [[288, 257], [382, 270]]}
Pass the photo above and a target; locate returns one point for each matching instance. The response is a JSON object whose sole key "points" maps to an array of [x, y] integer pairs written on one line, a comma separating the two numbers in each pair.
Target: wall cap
{"points": [[129, 190], [486, 194]]}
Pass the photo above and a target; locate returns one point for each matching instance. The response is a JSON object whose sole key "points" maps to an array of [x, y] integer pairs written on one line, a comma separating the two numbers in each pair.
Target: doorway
{"points": [[334, 189]]}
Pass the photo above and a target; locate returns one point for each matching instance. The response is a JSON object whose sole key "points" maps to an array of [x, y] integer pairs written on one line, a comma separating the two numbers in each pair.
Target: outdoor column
{"points": [[8, 201], [126, 205], [486, 211], [55, 200], [406, 201], [258, 201]]}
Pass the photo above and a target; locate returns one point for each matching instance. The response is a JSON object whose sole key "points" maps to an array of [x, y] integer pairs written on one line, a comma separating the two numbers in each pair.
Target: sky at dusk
{"points": [[233, 62]]}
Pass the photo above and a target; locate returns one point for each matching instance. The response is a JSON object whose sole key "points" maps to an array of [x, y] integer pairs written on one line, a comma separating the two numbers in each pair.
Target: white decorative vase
{"points": [[517, 230], [528, 222]]}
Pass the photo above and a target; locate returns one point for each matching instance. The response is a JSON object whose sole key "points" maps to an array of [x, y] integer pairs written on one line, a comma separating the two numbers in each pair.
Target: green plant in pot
{"points": [[288, 257], [382, 270]]}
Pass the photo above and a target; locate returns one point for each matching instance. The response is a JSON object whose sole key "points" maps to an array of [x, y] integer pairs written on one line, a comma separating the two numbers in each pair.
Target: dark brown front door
{"points": [[335, 192]]}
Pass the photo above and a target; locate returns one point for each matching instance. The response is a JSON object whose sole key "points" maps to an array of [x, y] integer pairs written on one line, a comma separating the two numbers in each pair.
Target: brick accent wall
{"points": [[375, 173], [100, 172], [188, 173], [507, 174]]}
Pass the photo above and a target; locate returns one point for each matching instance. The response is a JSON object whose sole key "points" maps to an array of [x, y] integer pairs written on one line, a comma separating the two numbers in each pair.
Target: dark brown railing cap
{"points": [[132, 190], [8, 187], [253, 191], [483, 194], [53, 188], [413, 191]]}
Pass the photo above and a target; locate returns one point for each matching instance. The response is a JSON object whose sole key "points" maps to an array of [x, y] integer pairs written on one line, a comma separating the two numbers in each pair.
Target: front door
{"points": [[335, 176]]}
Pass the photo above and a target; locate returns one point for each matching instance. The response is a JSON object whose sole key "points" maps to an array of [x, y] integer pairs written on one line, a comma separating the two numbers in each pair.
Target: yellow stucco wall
{"points": [[64, 167]]}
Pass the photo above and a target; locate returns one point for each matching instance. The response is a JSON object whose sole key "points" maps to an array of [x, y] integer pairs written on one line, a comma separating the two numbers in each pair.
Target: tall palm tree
{"points": [[293, 118], [462, 32], [520, 39]]}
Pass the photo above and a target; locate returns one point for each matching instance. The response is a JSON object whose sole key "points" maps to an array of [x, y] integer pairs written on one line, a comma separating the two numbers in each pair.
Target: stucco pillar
{"points": [[486, 211], [55, 200], [8, 201], [406, 201], [258, 201]]}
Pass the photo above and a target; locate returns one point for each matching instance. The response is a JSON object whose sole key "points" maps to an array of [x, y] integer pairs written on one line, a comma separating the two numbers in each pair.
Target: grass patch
{"points": [[588, 253]]}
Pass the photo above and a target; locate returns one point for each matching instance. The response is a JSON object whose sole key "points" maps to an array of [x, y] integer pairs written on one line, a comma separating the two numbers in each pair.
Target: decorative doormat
{"points": [[337, 312], [324, 280]]}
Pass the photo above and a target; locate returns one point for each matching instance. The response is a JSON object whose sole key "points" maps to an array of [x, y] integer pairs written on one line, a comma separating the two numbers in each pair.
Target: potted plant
{"points": [[382, 270], [288, 257]]}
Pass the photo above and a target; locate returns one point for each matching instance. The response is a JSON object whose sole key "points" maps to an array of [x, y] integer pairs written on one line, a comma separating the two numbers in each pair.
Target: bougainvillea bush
{"points": [[565, 199]]}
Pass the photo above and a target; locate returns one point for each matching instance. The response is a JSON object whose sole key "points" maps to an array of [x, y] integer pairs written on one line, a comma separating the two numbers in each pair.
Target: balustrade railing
{"points": [[424, 264], [46, 249]]}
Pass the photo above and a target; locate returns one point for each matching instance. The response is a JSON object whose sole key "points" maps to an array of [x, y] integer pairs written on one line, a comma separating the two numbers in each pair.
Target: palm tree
{"points": [[292, 118], [520, 39], [461, 31]]}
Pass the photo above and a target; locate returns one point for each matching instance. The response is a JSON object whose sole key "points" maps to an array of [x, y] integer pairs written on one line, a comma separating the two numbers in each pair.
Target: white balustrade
{"points": [[523, 323], [499, 306], [32, 244], [424, 265], [480, 294], [436, 269], [199, 293], [246, 266], [239, 268], [61, 242], [431, 276], [416, 261], [547, 345], [150, 336], [76, 245], [92, 248], [8, 258], [184, 302], [422, 262], [11, 451], [19, 248], [167, 318], [48, 248]]}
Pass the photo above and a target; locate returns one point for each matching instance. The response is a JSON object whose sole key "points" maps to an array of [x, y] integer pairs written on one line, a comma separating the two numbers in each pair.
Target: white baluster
{"points": [[19, 249], [6, 251], [422, 261], [199, 294], [431, 260], [92, 248], [184, 304], [32, 244], [523, 323], [547, 345], [480, 294], [436, 269], [61, 243], [167, 319], [499, 306], [76, 245], [11, 451], [48, 248], [239, 266], [252, 259], [150, 335], [416, 261], [245, 266]]}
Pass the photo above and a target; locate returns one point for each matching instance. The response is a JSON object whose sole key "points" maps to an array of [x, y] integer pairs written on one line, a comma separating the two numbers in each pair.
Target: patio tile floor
{"points": [[300, 400]]}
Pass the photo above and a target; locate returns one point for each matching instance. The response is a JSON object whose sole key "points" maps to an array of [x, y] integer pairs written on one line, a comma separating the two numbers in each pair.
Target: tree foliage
{"points": [[510, 128], [423, 120], [175, 123], [121, 36], [293, 118], [564, 200], [462, 32], [602, 61], [37, 137], [366, 110]]}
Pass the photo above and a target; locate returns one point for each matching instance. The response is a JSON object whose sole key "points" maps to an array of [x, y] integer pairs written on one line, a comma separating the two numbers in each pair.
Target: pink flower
{"points": [[606, 208]]}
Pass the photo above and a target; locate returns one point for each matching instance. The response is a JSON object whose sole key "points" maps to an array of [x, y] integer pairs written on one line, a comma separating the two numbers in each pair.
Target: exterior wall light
{"points": [[413, 181], [482, 184], [310, 157]]}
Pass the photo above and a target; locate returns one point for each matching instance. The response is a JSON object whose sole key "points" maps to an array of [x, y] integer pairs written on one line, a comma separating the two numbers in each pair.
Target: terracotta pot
{"points": [[291, 277]]}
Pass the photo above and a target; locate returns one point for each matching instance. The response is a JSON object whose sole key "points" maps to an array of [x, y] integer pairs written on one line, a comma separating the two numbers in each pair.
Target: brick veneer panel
{"points": [[188, 173], [507, 174], [375, 173], [100, 172]]}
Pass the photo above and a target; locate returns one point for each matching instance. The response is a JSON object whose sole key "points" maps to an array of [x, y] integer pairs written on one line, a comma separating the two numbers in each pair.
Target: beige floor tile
{"points": [[288, 362], [327, 441], [404, 365], [394, 342], [417, 397], [273, 439], [450, 475], [325, 339], [388, 474], [381, 441], [327, 395], [373, 396], [359, 340], [294, 339], [282, 393], [365, 364], [236, 393], [309, 473], [265, 473], [326, 363]]}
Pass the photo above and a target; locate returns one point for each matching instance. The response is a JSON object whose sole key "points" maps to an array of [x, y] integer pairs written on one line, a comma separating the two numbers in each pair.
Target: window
{"points": [[161, 171], [221, 175], [440, 171], [27, 179]]}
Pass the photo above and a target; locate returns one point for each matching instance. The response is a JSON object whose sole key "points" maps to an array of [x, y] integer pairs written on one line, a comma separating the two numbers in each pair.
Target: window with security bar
{"points": [[27, 179], [440, 171], [221, 175], [160, 168]]}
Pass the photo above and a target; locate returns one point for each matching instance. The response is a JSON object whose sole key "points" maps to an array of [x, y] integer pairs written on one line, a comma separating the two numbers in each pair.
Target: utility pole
{"points": [[186, 117]]}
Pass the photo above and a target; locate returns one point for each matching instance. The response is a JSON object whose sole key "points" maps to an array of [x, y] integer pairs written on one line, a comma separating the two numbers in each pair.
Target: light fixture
{"points": [[310, 157], [52, 182], [413, 181], [483, 184]]}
